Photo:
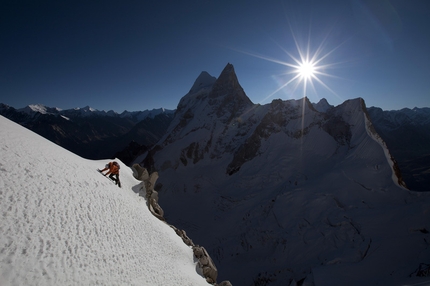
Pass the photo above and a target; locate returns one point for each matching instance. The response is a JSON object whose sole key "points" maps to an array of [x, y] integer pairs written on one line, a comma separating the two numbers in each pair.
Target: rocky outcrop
{"points": [[205, 262], [151, 195], [182, 234]]}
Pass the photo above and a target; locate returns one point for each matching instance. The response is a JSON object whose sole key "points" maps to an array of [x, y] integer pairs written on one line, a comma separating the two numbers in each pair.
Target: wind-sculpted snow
{"points": [[62, 223]]}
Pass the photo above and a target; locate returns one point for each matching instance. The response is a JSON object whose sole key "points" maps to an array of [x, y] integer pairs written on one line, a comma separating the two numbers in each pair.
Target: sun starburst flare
{"points": [[307, 69]]}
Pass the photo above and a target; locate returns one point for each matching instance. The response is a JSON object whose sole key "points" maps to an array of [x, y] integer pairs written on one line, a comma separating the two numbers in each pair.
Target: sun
{"points": [[306, 70], [306, 67]]}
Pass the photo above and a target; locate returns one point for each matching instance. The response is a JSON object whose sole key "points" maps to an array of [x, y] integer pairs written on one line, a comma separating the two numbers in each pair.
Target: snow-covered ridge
{"points": [[39, 108], [140, 115], [396, 176], [65, 224]]}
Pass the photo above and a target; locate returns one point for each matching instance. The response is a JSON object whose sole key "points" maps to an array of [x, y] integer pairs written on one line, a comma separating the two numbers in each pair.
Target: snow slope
{"points": [[62, 223]]}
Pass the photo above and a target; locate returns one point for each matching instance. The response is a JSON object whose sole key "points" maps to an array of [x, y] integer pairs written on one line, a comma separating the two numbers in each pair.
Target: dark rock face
{"points": [[338, 129], [227, 96]]}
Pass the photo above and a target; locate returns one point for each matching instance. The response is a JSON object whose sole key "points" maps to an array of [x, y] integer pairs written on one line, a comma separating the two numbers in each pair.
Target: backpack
{"points": [[116, 164]]}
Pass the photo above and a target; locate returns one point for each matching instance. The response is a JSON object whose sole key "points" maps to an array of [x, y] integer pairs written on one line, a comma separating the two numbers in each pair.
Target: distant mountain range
{"points": [[407, 135], [287, 193], [91, 133]]}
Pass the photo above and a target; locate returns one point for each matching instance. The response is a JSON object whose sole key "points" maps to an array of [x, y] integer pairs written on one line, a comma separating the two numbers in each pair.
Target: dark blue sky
{"points": [[137, 55]]}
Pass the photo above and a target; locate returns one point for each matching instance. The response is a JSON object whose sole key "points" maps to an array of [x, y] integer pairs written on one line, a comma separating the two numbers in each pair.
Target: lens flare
{"points": [[305, 70]]}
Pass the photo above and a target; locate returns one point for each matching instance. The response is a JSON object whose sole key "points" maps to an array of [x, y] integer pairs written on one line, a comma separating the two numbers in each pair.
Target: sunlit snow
{"points": [[62, 223]]}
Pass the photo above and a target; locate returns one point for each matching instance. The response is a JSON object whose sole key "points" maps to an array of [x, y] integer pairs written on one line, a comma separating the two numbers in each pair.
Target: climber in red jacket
{"points": [[113, 172]]}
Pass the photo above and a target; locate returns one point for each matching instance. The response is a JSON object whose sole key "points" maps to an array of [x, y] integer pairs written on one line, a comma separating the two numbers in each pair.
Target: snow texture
{"points": [[62, 223]]}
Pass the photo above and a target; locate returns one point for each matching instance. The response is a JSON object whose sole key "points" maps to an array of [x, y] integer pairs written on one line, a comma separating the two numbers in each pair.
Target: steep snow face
{"points": [[284, 192], [62, 223]]}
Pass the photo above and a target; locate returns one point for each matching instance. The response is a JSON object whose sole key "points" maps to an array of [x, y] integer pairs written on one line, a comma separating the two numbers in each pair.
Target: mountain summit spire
{"points": [[227, 94], [226, 83]]}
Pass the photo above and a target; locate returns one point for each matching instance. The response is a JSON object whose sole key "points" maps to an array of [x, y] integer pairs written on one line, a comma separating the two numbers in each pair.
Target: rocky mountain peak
{"points": [[226, 82], [227, 95]]}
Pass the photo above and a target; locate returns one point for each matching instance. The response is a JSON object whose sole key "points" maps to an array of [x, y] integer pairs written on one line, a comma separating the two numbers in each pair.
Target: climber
{"points": [[107, 167], [113, 172]]}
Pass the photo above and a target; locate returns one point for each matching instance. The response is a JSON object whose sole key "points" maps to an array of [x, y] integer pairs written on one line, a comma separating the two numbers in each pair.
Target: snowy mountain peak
{"points": [[322, 105], [87, 109], [203, 81], [209, 109], [39, 108]]}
